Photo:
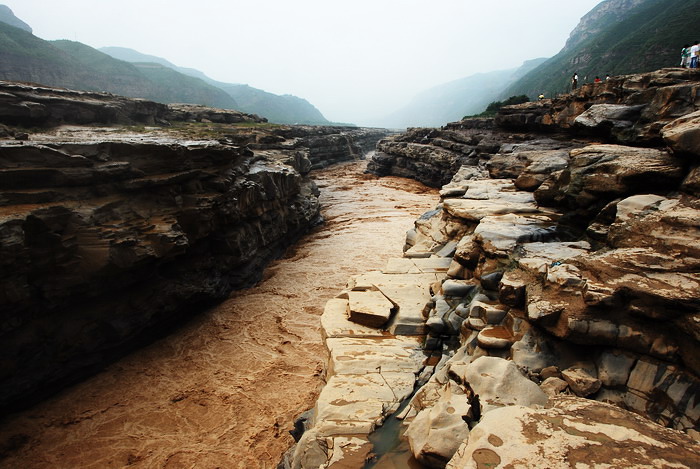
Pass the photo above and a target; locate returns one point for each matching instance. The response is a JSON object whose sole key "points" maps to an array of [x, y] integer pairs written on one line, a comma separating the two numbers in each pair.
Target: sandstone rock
{"points": [[518, 436], [511, 289], [537, 257], [335, 322], [498, 383], [607, 116], [581, 382], [553, 386], [499, 235], [495, 337], [436, 432], [602, 172], [457, 288], [544, 312], [315, 450], [691, 184], [369, 308], [683, 134], [367, 355], [410, 292], [614, 368], [534, 351]]}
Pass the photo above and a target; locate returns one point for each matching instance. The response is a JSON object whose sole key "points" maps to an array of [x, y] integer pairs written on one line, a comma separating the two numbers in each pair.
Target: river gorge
{"points": [[224, 390], [535, 300]]}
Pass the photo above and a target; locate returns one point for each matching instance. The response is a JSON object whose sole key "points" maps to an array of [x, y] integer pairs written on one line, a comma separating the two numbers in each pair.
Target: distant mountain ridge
{"points": [[451, 101], [70, 64], [617, 37], [7, 16], [283, 109]]}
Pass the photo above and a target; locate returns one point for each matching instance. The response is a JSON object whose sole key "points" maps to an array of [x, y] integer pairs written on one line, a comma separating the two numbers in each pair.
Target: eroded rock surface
{"points": [[572, 227], [109, 235]]}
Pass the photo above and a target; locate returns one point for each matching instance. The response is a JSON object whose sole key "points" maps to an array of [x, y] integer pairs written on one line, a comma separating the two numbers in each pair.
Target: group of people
{"points": [[574, 80], [690, 55]]}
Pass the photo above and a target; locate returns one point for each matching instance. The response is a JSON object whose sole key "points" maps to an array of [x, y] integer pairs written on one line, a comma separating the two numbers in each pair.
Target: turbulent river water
{"points": [[224, 390]]}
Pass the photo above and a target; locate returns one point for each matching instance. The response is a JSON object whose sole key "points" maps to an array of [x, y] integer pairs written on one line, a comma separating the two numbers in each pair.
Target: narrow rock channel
{"points": [[224, 390]]}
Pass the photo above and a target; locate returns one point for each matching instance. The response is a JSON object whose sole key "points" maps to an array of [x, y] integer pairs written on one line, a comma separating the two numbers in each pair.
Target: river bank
{"points": [[224, 390]]}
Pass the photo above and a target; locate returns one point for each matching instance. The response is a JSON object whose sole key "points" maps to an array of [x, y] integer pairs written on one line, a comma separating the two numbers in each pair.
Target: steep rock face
{"points": [[103, 241], [599, 18], [110, 237]]}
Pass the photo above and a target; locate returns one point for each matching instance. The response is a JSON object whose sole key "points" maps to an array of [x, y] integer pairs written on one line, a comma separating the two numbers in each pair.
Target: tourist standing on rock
{"points": [[597, 80], [685, 56], [694, 55], [574, 82]]}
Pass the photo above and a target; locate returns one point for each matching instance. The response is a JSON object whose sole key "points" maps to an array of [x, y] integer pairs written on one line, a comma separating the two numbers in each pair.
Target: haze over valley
{"points": [[358, 63]]}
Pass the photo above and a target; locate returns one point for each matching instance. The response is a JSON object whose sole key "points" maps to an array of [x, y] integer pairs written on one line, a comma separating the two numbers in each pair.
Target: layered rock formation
{"points": [[570, 282], [111, 236]]}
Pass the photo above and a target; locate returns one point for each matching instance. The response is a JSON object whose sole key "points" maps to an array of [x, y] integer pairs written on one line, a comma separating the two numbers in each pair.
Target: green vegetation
{"points": [[648, 37], [70, 64], [495, 106], [284, 109]]}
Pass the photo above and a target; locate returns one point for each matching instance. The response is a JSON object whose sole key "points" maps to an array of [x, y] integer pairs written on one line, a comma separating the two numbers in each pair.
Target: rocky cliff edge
{"points": [[113, 233], [546, 313]]}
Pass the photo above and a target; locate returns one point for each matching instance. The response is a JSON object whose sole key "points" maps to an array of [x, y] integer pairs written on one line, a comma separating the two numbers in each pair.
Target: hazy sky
{"points": [[354, 60]]}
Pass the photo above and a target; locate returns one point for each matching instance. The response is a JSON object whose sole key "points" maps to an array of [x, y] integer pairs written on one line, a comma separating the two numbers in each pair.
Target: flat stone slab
{"points": [[371, 355], [536, 256], [403, 265], [573, 432], [369, 308], [335, 322], [499, 235], [490, 197], [411, 292], [475, 210], [357, 404]]}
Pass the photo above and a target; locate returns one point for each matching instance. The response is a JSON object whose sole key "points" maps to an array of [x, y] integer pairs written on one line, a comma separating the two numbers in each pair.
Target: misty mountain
{"points": [[282, 109], [7, 16], [451, 101], [69, 64], [617, 37]]}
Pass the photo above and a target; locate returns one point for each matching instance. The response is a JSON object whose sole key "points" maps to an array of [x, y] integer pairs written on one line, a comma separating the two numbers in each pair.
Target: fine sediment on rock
{"points": [[110, 237], [569, 231]]}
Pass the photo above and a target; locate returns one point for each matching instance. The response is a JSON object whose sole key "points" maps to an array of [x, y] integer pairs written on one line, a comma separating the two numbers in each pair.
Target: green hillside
{"points": [[648, 37], [280, 109]]}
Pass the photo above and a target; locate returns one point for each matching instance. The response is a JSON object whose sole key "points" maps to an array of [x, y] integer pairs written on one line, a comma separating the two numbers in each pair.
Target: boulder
{"points": [[683, 134], [369, 308], [437, 431], [498, 383], [553, 386], [573, 432], [581, 382], [600, 173], [603, 117]]}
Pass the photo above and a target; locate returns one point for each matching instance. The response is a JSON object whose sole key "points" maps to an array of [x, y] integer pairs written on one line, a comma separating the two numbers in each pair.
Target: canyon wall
{"points": [[111, 236], [565, 297]]}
